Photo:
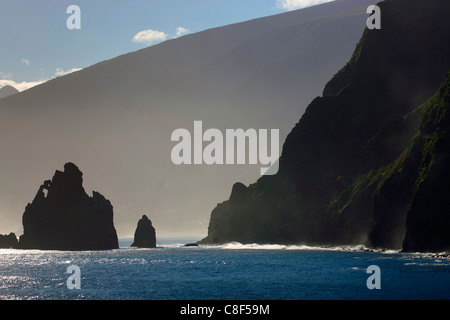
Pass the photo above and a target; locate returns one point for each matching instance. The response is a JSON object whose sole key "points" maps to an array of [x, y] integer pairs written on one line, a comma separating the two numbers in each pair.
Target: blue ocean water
{"points": [[227, 272]]}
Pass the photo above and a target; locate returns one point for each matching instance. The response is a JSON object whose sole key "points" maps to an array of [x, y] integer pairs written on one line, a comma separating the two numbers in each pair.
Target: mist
{"points": [[114, 120]]}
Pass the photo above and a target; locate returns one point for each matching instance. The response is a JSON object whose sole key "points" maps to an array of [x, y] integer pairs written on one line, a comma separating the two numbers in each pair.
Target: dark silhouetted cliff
{"points": [[63, 217], [145, 235], [8, 241], [368, 161]]}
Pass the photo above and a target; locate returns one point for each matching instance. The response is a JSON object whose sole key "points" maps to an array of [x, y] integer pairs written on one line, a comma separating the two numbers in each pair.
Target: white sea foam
{"points": [[301, 247], [173, 243]]}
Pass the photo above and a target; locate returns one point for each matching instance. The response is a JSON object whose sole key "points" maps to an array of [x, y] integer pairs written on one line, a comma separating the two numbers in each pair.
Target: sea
{"points": [[233, 271]]}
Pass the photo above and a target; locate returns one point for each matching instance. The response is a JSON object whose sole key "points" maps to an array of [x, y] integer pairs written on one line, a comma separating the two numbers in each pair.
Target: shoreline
{"points": [[182, 243]]}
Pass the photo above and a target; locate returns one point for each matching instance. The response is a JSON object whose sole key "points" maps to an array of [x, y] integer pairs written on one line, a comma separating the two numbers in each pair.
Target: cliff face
{"points": [[428, 217], [66, 218], [349, 168], [407, 199], [145, 235]]}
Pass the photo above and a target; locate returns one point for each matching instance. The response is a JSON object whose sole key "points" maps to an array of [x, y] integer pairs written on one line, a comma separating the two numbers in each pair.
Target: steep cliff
{"points": [[407, 199], [348, 168], [428, 217]]}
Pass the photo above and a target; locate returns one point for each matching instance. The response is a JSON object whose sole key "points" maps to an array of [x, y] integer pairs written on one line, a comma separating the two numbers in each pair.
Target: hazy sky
{"points": [[37, 45]]}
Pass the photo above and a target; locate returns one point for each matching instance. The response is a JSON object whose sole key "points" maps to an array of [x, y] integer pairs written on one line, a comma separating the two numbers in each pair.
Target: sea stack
{"points": [[63, 217], [145, 235], [8, 241]]}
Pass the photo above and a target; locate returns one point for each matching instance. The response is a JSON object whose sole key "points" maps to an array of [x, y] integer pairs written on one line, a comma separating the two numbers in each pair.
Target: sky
{"points": [[36, 44]]}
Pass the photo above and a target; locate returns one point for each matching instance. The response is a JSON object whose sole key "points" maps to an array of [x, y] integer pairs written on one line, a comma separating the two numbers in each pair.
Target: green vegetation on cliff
{"points": [[366, 159]]}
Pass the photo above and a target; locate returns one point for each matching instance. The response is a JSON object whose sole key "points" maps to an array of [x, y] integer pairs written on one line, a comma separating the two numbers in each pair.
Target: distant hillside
{"points": [[368, 162], [7, 91], [115, 119]]}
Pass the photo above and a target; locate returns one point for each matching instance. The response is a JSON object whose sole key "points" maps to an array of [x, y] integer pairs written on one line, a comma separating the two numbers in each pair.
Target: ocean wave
{"points": [[301, 247], [172, 245], [431, 255]]}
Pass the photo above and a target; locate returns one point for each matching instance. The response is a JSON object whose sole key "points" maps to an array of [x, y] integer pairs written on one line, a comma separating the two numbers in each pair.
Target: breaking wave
{"points": [[175, 243], [255, 246]]}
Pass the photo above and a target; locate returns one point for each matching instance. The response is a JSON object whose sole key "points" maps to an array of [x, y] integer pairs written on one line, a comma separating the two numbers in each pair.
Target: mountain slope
{"points": [[331, 164], [7, 91], [115, 119]]}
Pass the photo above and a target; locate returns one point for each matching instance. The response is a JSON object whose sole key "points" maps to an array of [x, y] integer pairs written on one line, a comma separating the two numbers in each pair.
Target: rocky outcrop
{"points": [[8, 241], [63, 217], [145, 235], [192, 244]]}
